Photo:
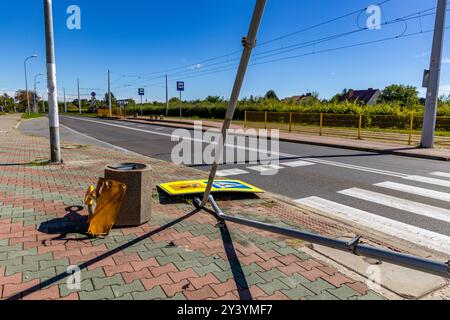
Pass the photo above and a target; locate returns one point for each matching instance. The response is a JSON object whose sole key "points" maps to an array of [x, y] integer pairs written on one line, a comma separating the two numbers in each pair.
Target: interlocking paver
{"points": [[126, 289], [344, 292], [105, 293], [271, 287], [100, 283], [155, 293]]}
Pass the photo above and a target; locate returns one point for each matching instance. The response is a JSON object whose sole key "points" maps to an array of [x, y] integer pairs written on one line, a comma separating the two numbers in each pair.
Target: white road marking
{"points": [[102, 142], [231, 172], [297, 164], [266, 168], [188, 138], [441, 174], [443, 196], [398, 203], [358, 168], [437, 182], [426, 238]]}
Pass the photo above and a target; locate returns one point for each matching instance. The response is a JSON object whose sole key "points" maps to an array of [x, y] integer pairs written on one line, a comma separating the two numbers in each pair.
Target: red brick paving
{"points": [[70, 181]]}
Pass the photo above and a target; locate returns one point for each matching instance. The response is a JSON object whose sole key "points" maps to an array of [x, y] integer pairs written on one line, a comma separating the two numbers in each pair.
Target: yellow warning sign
{"points": [[181, 188]]}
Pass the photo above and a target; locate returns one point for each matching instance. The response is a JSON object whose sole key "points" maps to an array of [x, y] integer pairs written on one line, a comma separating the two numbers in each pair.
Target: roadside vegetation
{"points": [[395, 100], [27, 116]]}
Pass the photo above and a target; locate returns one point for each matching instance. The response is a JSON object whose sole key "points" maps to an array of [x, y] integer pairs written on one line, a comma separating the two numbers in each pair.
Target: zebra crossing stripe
{"points": [[297, 164], [423, 237], [400, 204], [437, 182], [266, 168], [443, 196], [441, 174], [231, 172]]}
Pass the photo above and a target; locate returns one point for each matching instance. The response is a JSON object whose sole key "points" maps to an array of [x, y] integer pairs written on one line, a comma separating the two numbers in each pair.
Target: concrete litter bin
{"points": [[136, 208]]}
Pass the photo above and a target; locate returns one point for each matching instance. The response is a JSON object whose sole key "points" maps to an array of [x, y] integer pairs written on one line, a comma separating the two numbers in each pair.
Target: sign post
{"points": [[249, 43], [180, 88], [141, 92]]}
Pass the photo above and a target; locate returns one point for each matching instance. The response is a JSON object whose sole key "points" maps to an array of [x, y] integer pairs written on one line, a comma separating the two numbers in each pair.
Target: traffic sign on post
{"points": [[180, 88], [141, 91]]}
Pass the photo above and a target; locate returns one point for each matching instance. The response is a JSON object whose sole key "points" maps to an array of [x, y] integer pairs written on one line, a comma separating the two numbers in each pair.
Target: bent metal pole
{"points": [[55, 148], [249, 44], [441, 269]]}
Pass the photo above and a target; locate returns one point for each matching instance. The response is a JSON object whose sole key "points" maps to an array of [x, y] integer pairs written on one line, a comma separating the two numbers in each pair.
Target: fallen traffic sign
{"points": [[180, 188]]}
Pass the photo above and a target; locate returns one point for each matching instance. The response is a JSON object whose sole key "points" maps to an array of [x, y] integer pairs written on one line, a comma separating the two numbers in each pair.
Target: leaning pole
{"points": [[249, 43]]}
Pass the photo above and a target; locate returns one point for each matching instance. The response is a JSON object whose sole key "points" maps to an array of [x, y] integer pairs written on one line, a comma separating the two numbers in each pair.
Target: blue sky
{"points": [[137, 38]]}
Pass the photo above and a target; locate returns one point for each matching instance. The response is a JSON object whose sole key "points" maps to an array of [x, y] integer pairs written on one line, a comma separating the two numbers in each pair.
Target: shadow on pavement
{"points": [[108, 254]]}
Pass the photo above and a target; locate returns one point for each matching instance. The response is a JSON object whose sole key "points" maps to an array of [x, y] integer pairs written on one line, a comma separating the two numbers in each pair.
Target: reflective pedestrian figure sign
{"points": [[199, 186]]}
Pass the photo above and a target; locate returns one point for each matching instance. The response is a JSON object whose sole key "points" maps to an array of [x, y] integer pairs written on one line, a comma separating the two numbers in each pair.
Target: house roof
{"points": [[361, 95]]}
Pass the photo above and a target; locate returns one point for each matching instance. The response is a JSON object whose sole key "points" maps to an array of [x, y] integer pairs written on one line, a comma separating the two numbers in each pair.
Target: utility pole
{"points": [[79, 101], [55, 148], [26, 81], [65, 102], [429, 120], [167, 96], [249, 43], [109, 94]]}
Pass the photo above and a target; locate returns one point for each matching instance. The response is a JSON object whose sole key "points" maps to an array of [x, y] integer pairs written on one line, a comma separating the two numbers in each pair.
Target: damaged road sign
{"points": [[180, 188]]}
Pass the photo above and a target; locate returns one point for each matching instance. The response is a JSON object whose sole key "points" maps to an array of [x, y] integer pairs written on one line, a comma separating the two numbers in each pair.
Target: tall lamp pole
{"points": [[26, 80], [55, 148], [35, 102]]}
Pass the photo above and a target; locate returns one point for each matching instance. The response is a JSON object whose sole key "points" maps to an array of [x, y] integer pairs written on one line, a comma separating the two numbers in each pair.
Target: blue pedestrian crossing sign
{"points": [[231, 185], [180, 86]]}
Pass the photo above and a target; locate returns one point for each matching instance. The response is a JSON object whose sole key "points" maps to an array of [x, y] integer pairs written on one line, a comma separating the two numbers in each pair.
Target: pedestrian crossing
{"points": [[399, 229], [422, 192], [426, 238], [264, 169]]}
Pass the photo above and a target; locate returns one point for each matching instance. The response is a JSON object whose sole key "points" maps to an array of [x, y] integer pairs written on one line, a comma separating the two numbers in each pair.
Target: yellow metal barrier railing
{"points": [[360, 126]]}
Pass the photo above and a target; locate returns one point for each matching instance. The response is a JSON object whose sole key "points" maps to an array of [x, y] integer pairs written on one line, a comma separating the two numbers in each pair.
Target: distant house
{"points": [[297, 99], [369, 97]]}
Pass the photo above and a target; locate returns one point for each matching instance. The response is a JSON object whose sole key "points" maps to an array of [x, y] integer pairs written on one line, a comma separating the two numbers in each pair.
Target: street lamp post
{"points": [[35, 102], [53, 114], [26, 80]]}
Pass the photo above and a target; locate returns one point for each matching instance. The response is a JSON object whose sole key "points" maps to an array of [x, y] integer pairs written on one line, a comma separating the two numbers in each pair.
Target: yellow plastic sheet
{"points": [[107, 198]]}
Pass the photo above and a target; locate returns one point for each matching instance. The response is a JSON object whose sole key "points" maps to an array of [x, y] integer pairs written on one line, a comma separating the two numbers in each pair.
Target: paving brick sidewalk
{"points": [[191, 258]]}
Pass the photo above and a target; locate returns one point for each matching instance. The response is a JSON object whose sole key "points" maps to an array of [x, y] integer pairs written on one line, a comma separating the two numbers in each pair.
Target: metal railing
{"points": [[398, 129]]}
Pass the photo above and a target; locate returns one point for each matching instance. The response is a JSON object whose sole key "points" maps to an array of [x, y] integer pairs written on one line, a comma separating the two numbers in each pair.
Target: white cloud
{"points": [[196, 66], [445, 89], [446, 61], [422, 55], [10, 93]]}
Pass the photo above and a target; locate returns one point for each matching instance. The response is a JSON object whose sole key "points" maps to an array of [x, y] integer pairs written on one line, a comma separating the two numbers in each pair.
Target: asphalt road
{"points": [[404, 197]]}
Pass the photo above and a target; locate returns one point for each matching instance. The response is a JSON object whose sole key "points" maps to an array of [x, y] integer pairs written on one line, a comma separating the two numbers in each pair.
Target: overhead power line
{"points": [[226, 65], [259, 45]]}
